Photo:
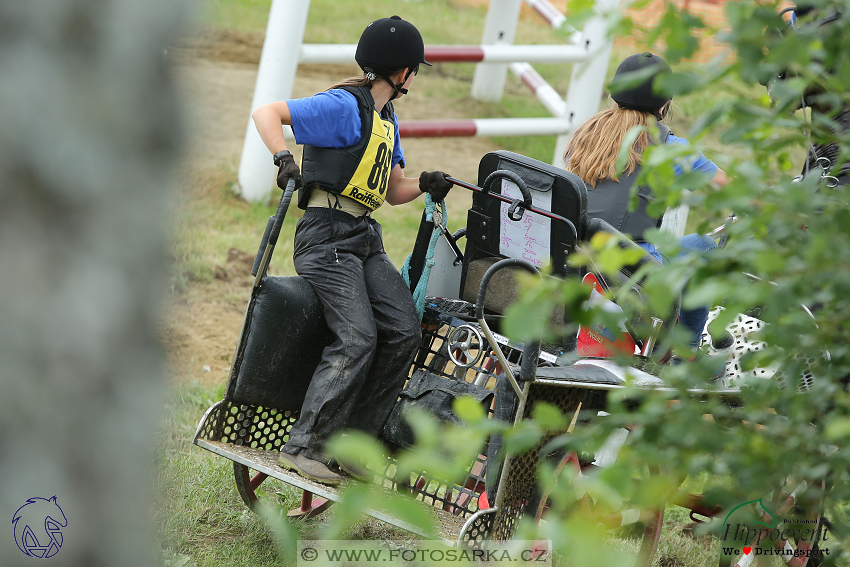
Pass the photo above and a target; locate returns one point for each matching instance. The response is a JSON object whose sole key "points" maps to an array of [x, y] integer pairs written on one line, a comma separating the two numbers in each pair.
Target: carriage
{"points": [[524, 213]]}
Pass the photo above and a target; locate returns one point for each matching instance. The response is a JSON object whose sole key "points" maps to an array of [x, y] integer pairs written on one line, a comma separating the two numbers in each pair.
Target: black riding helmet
{"points": [[388, 45], [641, 96]]}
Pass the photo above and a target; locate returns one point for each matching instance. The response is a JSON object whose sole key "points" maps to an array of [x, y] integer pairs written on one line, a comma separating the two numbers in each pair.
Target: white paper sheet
{"points": [[529, 238]]}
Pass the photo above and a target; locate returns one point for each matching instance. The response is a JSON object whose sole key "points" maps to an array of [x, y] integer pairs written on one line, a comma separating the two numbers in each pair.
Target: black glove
{"points": [[287, 169], [436, 183]]}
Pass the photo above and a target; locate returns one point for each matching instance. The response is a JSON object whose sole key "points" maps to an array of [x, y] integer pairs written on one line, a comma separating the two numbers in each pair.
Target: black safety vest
{"points": [[360, 172], [609, 201]]}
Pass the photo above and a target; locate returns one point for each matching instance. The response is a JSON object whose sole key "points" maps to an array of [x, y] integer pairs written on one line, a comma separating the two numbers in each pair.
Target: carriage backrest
{"points": [[286, 335], [492, 235]]}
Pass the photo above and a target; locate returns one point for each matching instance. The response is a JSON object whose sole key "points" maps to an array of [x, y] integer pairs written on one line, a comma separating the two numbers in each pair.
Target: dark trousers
{"points": [[371, 313]]}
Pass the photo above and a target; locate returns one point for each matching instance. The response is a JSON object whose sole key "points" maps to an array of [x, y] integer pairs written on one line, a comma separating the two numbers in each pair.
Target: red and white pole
{"points": [[483, 127], [344, 53], [548, 12], [544, 92], [555, 18]]}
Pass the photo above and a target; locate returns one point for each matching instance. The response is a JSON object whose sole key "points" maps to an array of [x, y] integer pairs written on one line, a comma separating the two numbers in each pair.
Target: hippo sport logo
{"points": [[38, 527], [762, 533]]}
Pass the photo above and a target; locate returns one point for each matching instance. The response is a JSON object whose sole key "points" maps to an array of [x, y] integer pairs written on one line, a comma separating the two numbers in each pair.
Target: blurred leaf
{"points": [[413, 512], [676, 84], [579, 12], [549, 417], [838, 429], [357, 447], [626, 146], [468, 409], [523, 437]]}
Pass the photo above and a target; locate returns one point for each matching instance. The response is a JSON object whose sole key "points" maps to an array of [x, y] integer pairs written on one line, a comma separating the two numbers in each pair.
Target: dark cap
{"points": [[390, 44], [635, 76]]}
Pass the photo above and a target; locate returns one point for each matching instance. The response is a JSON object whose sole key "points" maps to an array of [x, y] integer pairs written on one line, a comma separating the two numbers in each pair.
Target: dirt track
{"points": [[216, 72]]}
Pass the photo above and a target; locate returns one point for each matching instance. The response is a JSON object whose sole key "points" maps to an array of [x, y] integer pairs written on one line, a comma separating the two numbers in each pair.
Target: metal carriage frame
{"points": [[249, 429]]}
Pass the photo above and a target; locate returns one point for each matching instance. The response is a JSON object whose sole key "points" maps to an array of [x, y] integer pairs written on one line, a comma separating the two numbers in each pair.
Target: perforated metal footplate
{"points": [[478, 529], [448, 526]]}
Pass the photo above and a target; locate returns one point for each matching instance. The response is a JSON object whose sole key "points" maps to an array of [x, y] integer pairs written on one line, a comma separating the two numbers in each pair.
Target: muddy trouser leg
{"points": [[329, 253], [343, 262], [399, 336]]}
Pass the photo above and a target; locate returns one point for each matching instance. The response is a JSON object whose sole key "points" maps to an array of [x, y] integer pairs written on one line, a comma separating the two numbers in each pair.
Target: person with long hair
{"points": [[592, 155], [352, 163]]}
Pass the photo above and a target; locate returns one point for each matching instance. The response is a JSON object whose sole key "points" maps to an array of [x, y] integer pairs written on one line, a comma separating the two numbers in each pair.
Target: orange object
{"points": [[601, 341]]}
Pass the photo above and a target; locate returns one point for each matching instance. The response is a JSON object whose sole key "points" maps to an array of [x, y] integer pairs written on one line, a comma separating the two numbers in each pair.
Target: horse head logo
{"points": [[38, 527], [761, 512]]}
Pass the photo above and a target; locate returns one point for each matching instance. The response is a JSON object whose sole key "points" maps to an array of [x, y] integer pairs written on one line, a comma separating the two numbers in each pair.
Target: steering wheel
{"points": [[466, 340]]}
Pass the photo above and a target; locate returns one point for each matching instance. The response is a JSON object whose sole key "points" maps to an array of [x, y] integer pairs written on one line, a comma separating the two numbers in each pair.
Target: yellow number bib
{"points": [[368, 185]]}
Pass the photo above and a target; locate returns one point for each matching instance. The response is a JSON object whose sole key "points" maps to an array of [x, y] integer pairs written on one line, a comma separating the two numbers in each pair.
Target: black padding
{"points": [[420, 251], [569, 200], [434, 395], [286, 337], [585, 373]]}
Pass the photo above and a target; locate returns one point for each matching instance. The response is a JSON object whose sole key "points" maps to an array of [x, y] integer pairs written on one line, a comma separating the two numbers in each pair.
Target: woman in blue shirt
{"points": [[592, 155], [352, 163]]}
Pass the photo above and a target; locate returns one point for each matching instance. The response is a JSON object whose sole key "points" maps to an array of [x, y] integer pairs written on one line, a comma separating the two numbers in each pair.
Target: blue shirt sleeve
{"points": [[398, 152], [700, 163], [329, 119]]}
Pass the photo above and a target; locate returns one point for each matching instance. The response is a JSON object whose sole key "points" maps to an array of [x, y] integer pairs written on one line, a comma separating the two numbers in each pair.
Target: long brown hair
{"points": [[593, 149], [361, 81]]}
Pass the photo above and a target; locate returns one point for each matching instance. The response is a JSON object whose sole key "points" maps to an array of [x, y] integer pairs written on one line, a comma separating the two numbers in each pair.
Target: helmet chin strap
{"points": [[398, 89]]}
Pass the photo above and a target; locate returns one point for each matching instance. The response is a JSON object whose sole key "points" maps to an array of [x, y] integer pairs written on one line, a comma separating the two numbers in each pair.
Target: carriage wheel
{"points": [[248, 483]]}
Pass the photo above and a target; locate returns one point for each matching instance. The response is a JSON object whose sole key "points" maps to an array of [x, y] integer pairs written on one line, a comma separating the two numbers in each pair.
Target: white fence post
{"points": [[588, 78], [488, 83], [590, 52], [275, 77]]}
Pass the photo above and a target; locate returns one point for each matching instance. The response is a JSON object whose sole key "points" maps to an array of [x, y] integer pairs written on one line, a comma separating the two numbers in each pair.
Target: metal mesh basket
{"points": [[267, 429]]}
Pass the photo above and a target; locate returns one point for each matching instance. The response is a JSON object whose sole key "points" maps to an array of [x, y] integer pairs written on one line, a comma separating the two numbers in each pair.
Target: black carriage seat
{"points": [[492, 236], [616, 281], [286, 336]]}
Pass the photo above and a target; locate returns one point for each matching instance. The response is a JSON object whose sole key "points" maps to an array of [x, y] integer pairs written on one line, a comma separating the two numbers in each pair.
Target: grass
{"points": [[209, 218], [200, 517], [199, 514]]}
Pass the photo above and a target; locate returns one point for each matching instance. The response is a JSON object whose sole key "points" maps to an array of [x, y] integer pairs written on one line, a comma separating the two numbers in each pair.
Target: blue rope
{"points": [[422, 285]]}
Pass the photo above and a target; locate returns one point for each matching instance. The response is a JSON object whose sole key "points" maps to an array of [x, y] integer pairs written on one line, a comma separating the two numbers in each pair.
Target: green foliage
{"points": [[735, 453], [579, 12], [790, 247]]}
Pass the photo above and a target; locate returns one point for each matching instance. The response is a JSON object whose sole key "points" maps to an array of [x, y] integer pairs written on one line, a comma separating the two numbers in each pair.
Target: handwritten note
{"points": [[529, 237]]}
